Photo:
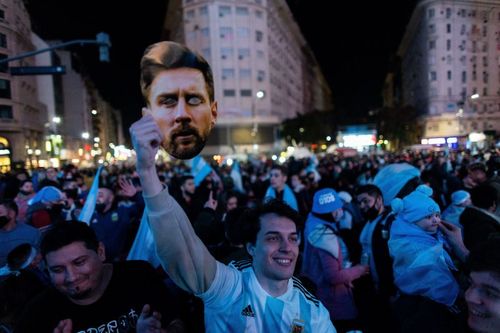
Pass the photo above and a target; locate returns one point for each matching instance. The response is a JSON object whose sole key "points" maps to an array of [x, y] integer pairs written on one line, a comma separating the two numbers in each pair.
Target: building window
{"points": [[245, 73], [450, 92], [485, 31], [448, 28], [485, 61], [203, 11], [448, 74], [448, 13], [462, 29], [242, 11], [190, 14], [259, 35], [4, 66], [246, 92], [261, 75], [258, 14], [226, 33], [3, 40], [2, 15], [474, 75], [224, 10], [432, 28], [260, 54], [226, 53], [432, 44], [259, 2], [6, 112], [448, 44], [430, 12], [205, 32], [229, 93], [485, 77], [4, 88], [464, 76], [243, 53], [227, 73], [432, 76], [242, 32], [485, 91]]}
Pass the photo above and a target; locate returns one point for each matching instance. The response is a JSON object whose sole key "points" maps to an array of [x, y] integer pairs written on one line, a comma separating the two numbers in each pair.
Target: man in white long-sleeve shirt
{"points": [[257, 296]]}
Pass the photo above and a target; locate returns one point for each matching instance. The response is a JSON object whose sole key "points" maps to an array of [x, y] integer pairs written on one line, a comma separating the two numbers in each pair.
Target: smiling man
{"points": [[177, 85], [483, 294], [89, 295], [260, 295]]}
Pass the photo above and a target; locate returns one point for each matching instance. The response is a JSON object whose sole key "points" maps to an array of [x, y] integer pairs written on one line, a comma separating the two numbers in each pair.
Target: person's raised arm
{"points": [[181, 252]]}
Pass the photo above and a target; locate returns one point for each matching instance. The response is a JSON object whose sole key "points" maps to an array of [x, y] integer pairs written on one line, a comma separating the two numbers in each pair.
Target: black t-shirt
{"points": [[133, 284]]}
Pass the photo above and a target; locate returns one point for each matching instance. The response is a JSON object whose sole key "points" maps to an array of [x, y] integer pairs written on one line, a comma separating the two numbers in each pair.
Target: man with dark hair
{"points": [[373, 292], [89, 295], [479, 220], [260, 295], [177, 85], [12, 233], [483, 294], [279, 189]]}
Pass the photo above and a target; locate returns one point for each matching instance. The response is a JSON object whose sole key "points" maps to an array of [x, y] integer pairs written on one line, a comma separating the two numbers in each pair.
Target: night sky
{"points": [[352, 41]]}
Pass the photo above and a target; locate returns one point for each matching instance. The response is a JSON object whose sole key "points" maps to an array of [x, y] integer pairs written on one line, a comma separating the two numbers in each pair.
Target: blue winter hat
{"points": [[392, 178], [46, 194], [416, 205], [326, 201], [458, 197]]}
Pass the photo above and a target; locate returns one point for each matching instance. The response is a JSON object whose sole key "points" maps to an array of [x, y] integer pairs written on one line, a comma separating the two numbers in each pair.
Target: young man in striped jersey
{"points": [[261, 296]]}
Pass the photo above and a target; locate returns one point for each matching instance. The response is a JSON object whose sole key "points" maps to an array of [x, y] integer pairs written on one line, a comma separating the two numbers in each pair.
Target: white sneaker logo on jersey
{"points": [[248, 311]]}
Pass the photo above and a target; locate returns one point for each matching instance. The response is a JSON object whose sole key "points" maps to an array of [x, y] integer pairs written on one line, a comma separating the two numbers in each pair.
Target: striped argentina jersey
{"points": [[235, 302]]}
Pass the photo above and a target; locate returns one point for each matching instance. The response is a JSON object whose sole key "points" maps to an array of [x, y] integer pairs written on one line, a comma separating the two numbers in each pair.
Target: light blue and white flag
{"points": [[89, 206], [199, 169], [313, 162], [143, 247], [236, 176]]}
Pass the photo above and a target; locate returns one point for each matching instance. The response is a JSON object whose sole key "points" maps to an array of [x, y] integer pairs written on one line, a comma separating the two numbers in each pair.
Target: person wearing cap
{"points": [[326, 260], [45, 208], [21, 280], [459, 201], [13, 234], [421, 246]]}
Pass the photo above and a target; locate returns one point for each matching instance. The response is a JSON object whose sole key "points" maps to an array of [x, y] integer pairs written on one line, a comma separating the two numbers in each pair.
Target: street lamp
{"points": [[260, 94]]}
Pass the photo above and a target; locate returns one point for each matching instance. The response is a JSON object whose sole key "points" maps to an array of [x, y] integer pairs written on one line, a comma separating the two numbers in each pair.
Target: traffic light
{"points": [[104, 45]]}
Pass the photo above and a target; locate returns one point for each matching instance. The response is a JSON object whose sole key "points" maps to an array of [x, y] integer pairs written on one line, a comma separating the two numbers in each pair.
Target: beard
{"points": [[371, 213], [78, 294], [181, 151]]}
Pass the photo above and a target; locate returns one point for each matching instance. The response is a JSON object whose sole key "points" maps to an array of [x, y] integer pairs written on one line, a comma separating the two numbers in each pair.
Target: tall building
{"points": [[450, 59], [22, 115], [264, 71]]}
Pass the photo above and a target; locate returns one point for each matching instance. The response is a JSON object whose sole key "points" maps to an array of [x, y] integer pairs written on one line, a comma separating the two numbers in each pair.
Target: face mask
{"points": [[4, 220], [99, 207], [56, 209], [371, 213], [25, 192]]}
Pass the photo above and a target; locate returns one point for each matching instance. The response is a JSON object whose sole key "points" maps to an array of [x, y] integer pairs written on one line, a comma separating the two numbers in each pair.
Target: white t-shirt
{"points": [[235, 302]]}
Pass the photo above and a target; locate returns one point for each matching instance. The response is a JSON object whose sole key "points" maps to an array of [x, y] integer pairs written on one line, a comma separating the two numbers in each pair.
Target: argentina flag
{"points": [[199, 169], [89, 206], [236, 176]]}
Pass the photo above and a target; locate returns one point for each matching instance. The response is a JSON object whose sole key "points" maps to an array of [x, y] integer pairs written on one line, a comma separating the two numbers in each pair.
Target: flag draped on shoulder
{"points": [[89, 206], [199, 169]]}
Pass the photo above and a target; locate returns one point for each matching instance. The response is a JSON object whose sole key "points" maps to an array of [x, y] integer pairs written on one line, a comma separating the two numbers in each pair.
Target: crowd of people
{"points": [[368, 241], [324, 244]]}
